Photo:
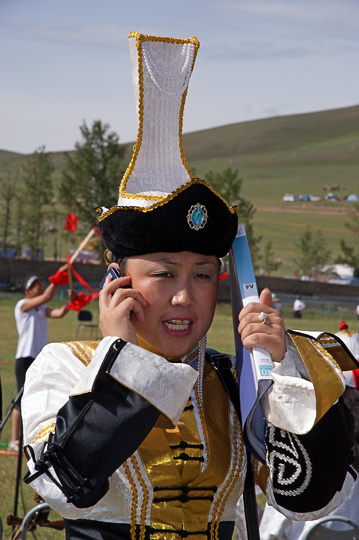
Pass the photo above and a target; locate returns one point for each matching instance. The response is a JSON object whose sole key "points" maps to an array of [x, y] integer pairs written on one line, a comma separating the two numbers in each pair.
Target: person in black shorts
{"points": [[31, 313]]}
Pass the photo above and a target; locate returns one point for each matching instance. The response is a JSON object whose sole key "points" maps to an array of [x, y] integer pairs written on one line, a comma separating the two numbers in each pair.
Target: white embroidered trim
{"points": [[296, 449]]}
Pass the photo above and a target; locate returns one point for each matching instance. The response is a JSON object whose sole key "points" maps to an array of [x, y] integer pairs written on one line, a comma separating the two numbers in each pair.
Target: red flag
{"points": [[97, 231], [60, 278], [71, 222], [81, 300], [77, 275]]}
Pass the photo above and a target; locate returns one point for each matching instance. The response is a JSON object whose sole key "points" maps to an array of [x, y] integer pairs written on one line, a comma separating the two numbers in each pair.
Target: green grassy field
{"points": [[300, 154], [220, 337], [297, 154], [284, 225]]}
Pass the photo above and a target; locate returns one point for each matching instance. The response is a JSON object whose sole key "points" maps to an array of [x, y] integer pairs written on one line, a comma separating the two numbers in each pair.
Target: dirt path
{"points": [[290, 208]]}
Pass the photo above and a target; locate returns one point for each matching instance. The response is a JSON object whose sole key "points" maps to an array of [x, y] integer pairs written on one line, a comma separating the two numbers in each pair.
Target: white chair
{"points": [[318, 530]]}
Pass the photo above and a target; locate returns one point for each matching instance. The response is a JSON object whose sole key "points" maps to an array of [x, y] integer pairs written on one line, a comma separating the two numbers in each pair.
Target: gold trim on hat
{"points": [[165, 200]]}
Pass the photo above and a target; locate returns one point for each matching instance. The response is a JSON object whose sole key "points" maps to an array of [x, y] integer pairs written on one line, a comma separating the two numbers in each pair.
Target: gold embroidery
{"points": [[201, 416], [145, 497], [212, 428], [336, 350], [320, 365], [134, 500], [232, 478], [140, 119], [43, 434], [171, 196], [144, 37], [191, 356], [83, 350], [325, 353], [349, 333]]}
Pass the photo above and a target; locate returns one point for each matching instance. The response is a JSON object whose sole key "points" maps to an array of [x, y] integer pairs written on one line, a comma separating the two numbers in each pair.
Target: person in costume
{"points": [[351, 400], [134, 436], [31, 313], [350, 338]]}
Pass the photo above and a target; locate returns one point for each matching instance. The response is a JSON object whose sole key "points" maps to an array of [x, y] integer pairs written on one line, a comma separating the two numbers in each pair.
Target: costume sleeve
{"points": [[81, 423], [307, 382], [309, 433]]}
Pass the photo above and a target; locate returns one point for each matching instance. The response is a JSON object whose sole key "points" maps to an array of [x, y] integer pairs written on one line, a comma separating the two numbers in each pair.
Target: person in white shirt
{"points": [[298, 307], [31, 313]]}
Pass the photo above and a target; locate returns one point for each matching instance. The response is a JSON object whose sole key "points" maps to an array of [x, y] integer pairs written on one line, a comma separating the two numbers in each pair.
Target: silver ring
{"points": [[262, 317]]}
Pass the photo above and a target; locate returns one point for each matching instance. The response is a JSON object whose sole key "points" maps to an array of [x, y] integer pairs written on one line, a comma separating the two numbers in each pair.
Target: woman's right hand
{"points": [[118, 305]]}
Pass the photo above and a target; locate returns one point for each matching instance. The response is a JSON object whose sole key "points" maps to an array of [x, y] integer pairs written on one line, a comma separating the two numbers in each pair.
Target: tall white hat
{"points": [[161, 207]]}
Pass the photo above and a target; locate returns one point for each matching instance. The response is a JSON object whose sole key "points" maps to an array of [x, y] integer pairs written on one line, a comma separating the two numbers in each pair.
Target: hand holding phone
{"points": [[113, 273], [120, 306]]}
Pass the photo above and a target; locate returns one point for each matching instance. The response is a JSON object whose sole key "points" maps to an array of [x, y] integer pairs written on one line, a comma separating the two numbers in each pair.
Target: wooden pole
{"points": [[70, 277], [82, 245]]}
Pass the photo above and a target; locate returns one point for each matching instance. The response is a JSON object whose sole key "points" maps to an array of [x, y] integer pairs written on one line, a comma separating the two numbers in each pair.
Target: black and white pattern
{"points": [[289, 463], [306, 471]]}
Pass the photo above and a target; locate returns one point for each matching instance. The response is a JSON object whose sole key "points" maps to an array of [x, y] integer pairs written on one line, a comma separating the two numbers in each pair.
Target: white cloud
{"points": [[62, 63]]}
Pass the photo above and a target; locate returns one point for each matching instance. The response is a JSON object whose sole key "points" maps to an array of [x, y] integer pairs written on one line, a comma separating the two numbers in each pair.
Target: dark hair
{"points": [[35, 279], [123, 262]]}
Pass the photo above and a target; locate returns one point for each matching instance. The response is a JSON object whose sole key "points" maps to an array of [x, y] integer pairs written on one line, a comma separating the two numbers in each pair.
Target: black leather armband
{"points": [[95, 433], [307, 470]]}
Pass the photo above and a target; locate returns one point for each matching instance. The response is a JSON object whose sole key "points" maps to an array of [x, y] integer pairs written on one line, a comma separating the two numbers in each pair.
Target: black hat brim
{"points": [[128, 231]]}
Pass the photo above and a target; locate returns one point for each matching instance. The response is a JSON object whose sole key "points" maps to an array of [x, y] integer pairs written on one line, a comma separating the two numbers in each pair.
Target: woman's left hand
{"points": [[269, 335]]}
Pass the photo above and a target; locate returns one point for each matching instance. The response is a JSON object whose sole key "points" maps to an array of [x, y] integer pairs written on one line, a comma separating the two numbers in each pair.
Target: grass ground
{"points": [[284, 225], [299, 154], [60, 330], [220, 337]]}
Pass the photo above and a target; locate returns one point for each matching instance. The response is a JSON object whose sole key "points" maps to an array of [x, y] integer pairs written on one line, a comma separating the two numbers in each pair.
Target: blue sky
{"points": [[65, 62]]}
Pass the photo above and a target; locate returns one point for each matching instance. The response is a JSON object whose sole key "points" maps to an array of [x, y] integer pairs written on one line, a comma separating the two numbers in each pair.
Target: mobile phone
{"points": [[113, 273]]}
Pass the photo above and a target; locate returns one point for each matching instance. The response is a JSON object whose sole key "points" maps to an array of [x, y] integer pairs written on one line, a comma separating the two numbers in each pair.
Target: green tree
{"points": [[7, 194], [229, 185], [353, 224], [37, 194], [19, 204], [268, 261], [313, 252], [93, 173], [349, 254]]}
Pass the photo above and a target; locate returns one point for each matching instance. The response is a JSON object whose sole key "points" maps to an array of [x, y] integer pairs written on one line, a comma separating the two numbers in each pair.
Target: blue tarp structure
{"points": [[10, 254]]}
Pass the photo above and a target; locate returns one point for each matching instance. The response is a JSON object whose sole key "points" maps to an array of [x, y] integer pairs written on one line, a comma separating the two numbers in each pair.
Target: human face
{"points": [[181, 290], [36, 289]]}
